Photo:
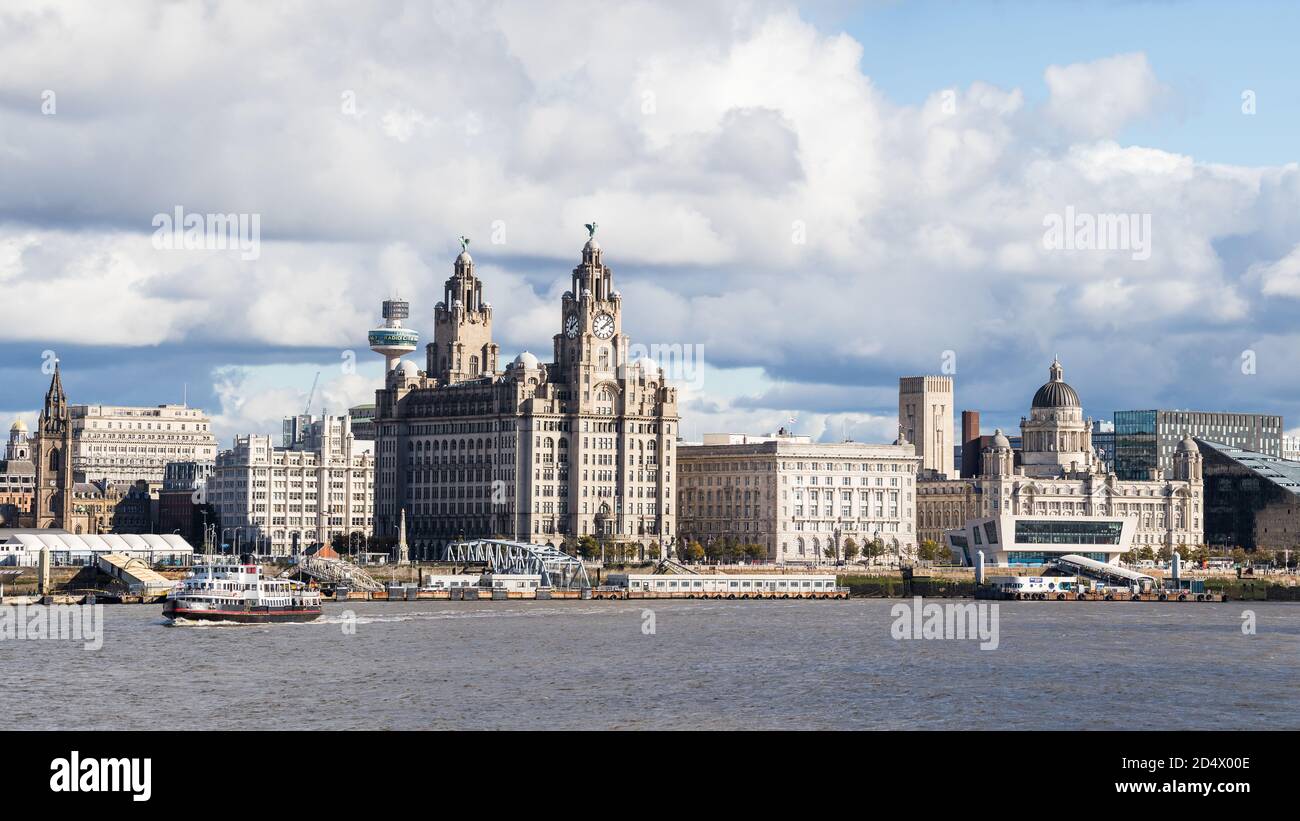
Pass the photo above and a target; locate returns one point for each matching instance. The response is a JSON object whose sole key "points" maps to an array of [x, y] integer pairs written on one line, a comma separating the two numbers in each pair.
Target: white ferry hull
{"points": [[177, 609]]}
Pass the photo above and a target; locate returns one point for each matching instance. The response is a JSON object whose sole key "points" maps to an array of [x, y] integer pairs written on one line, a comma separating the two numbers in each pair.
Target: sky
{"points": [[800, 203]]}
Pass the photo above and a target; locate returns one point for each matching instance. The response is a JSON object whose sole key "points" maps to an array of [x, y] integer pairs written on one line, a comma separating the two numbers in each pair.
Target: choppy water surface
{"points": [[708, 665]]}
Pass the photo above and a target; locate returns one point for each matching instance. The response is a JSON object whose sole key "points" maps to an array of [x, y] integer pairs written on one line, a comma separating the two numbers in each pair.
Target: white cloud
{"points": [[1280, 277], [1097, 99], [699, 140], [256, 399]]}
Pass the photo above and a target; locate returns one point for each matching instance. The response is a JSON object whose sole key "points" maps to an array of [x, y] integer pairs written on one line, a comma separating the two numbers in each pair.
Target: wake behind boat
{"points": [[227, 590]]}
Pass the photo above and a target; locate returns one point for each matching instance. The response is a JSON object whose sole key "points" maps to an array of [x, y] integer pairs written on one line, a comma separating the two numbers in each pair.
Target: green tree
{"points": [[652, 551], [850, 548], [733, 549], [874, 549], [755, 552], [588, 547], [713, 550], [932, 551], [693, 552]]}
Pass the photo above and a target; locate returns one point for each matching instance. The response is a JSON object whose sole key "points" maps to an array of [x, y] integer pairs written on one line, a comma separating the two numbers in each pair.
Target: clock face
{"points": [[603, 326], [571, 326]]}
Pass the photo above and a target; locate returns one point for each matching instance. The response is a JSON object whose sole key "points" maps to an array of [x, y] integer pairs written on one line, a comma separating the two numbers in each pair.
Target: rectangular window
{"points": [[1066, 532]]}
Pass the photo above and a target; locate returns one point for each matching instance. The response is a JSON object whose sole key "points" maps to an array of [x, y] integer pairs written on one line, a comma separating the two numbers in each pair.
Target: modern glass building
{"points": [[1103, 442], [1252, 500], [1033, 540], [1146, 440]]}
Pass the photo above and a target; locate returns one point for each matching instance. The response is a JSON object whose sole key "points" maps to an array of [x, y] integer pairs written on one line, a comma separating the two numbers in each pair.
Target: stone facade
{"points": [[125, 444], [1056, 474], [17, 478], [943, 505], [281, 500], [798, 497], [540, 452], [925, 418]]}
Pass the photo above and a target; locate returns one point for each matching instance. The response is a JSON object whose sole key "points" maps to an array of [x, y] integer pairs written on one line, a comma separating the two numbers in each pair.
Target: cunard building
{"points": [[532, 451]]}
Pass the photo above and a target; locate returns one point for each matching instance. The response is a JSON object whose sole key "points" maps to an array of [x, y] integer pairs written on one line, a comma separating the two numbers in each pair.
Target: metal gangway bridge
{"points": [[335, 571], [1102, 571], [672, 566], [558, 569]]}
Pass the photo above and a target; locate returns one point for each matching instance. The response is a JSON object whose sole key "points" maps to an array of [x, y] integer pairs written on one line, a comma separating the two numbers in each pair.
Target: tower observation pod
{"points": [[392, 340]]}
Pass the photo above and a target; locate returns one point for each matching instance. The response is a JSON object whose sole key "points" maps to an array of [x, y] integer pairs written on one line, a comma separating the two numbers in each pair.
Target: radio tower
{"points": [[392, 340]]}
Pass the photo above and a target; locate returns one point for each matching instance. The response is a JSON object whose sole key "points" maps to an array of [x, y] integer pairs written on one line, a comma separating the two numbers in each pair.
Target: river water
{"points": [[706, 665]]}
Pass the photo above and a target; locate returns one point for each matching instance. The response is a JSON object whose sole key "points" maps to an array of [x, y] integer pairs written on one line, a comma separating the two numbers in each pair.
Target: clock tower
{"points": [[590, 347]]}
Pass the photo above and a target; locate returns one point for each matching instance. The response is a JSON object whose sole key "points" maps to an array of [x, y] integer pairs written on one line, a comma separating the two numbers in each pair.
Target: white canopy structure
{"points": [[23, 547]]}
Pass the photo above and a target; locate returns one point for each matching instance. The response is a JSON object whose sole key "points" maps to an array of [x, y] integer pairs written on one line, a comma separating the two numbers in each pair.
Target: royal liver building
{"points": [[537, 451]]}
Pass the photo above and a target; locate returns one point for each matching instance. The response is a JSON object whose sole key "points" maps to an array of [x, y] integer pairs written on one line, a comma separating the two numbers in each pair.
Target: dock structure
{"points": [[1071, 577], [135, 575], [721, 586], [608, 592], [1114, 595], [518, 570]]}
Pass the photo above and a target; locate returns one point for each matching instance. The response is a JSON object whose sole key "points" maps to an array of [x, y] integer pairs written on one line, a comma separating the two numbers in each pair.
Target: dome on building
{"points": [[19, 426], [526, 360], [408, 369], [1056, 394], [464, 258], [591, 245], [1000, 440], [1188, 444]]}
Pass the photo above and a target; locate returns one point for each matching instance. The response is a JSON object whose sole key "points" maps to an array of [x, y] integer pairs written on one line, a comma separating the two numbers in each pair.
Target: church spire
{"points": [[52, 506], [55, 400]]}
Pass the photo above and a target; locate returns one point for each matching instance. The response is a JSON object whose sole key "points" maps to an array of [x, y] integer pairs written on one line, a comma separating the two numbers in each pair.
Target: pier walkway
{"points": [[334, 571], [674, 566], [1108, 573], [556, 568]]}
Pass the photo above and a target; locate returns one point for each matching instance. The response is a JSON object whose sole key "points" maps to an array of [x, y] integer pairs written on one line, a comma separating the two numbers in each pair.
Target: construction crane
{"points": [[311, 395]]}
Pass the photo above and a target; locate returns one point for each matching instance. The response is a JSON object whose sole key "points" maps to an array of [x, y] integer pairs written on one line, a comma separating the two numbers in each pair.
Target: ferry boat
{"points": [[227, 590]]}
